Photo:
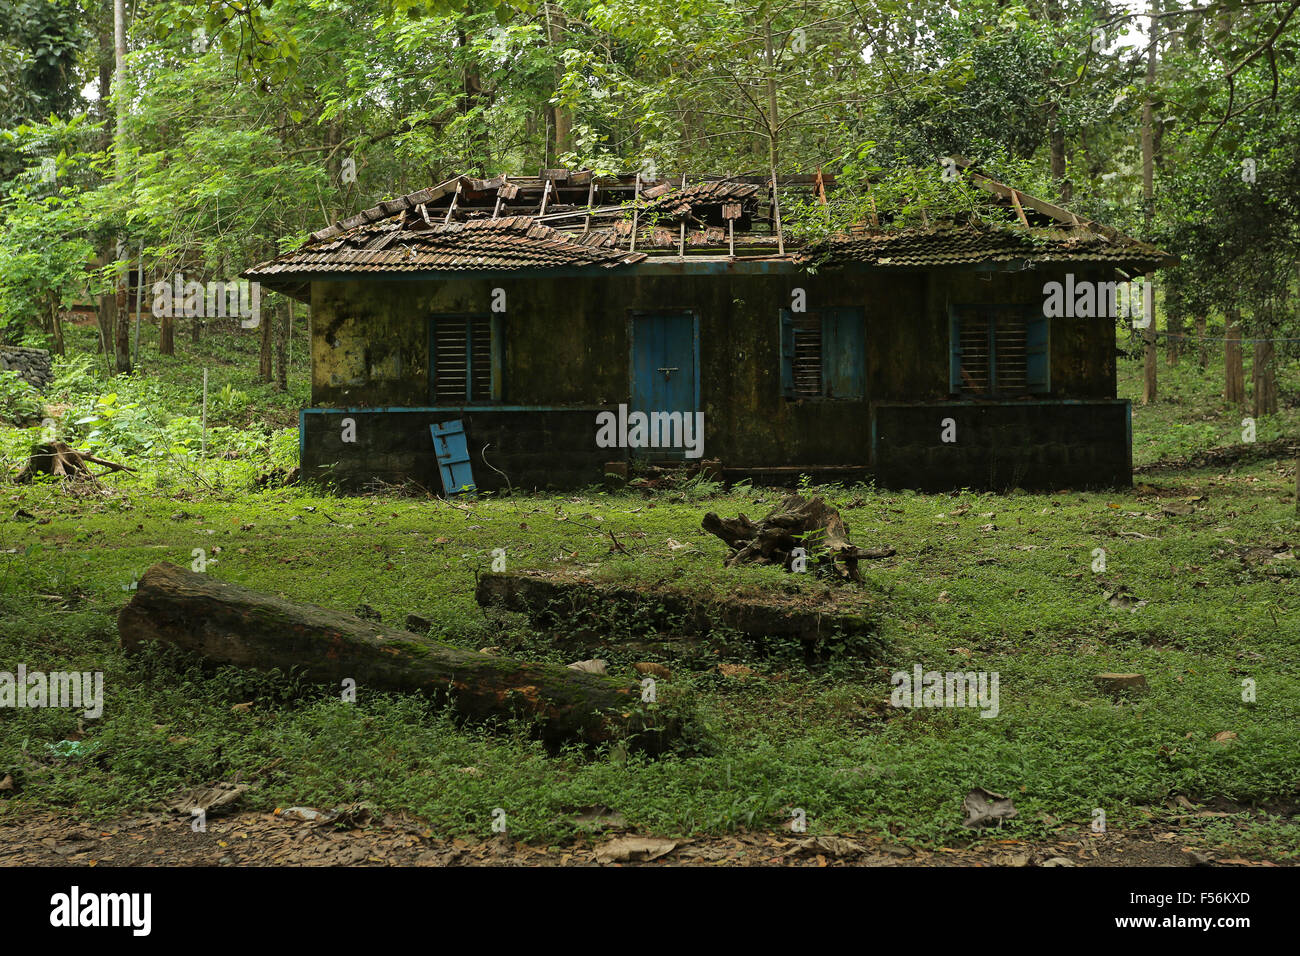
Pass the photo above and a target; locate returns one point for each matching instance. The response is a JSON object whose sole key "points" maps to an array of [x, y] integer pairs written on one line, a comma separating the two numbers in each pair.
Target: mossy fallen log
{"points": [[593, 613], [230, 624]]}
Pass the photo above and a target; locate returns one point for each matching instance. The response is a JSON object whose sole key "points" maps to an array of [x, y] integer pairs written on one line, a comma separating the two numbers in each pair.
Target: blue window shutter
{"points": [[954, 351], [843, 353], [787, 353], [1037, 366]]}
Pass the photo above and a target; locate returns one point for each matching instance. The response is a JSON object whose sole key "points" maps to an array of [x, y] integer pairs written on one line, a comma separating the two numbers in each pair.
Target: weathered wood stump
{"points": [[60, 460], [230, 624], [796, 522]]}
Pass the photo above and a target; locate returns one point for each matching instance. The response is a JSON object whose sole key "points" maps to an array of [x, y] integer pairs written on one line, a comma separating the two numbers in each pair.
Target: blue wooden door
{"points": [[664, 369]]}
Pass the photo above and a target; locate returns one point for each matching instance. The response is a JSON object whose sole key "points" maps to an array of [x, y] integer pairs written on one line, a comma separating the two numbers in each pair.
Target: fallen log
{"points": [[60, 460], [230, 624], [796, 522], [589, 616]]}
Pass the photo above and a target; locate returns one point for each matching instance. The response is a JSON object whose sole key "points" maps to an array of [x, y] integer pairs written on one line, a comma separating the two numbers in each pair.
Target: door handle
{"points": [[668, 372]]}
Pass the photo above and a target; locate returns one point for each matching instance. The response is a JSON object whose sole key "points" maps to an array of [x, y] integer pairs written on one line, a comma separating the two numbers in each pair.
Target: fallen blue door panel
{"points": [[453, 457]]}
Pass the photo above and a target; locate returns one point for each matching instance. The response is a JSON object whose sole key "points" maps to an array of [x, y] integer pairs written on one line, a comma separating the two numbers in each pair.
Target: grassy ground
{"points": [[1002, 584]]}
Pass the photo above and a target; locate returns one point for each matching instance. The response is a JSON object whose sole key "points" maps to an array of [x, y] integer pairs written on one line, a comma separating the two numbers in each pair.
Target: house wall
{"points": [[567, 345]]}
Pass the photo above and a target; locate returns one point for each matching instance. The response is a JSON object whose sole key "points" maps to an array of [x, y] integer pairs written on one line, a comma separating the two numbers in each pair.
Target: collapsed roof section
{"points": [[579, 221]]}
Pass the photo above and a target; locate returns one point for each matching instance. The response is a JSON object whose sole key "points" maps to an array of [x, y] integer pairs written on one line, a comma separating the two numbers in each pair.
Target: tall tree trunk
{"points": [[167, 332], [122, 331], [1262, 373], [1056, 140], [122, 337], [1148, 201], [1234, 377], [108, 319], [1174, 325], [281, 347], [1203, 349], [56, 325], [264, 363], [773, 134], [561, 116]]}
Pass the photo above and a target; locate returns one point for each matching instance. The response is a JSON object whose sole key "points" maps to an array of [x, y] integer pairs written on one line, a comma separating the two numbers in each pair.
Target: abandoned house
{"points": [[533, 330]]}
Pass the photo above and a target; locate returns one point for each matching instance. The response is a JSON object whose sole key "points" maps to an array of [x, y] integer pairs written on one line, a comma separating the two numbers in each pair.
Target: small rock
{"points": [[1117, 684], [418, 625], [303, 815], [985, 808]]}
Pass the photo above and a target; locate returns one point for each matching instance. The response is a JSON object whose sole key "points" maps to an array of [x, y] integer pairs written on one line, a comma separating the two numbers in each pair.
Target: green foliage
{"points": [[19, 402]]}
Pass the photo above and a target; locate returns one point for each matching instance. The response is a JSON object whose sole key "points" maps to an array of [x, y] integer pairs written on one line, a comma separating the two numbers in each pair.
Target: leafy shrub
{"points": [[19, 402]]}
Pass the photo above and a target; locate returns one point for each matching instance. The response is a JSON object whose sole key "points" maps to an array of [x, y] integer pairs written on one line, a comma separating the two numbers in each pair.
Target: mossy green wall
{"points": [[567, 344]]}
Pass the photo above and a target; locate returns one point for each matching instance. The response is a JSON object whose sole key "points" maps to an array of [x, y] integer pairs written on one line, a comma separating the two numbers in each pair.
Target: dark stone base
{"points": [[534, 449], [1032, 445]]}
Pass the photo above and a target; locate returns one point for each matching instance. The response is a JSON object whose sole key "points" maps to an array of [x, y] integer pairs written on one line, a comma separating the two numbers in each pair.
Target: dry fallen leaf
{"points": [[835, 847], [594, 666], [634, 849], [736, 670], [653, 670]]}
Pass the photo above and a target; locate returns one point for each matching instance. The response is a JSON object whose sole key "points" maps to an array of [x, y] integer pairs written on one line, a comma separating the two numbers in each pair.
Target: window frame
{"points": [[1038, 350], [496, 350], [849, 327]]}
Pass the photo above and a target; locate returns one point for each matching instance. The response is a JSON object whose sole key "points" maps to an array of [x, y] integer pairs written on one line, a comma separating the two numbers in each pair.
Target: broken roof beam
{"points": [[451, 207], [1017, 198]]}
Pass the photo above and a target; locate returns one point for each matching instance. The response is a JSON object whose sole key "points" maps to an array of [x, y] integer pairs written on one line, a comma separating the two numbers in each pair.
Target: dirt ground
{"points": [[269, 839]]}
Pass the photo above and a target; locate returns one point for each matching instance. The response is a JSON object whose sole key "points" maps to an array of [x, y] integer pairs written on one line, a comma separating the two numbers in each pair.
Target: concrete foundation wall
{"points": [[535, 449], [999, 446]]}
